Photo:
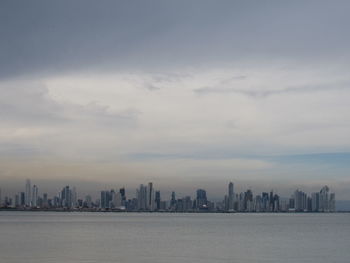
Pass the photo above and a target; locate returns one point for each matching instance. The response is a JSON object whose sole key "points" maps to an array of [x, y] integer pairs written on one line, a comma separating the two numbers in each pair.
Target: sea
{"points": [[79, 237]]}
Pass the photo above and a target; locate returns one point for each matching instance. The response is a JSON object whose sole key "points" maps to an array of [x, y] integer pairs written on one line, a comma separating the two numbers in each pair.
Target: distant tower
{"points": [[35, 196], [332, 202], [324, 202], [173, 200], [157, 200], [66, 197], [28, 194], [142, 198], [315, 202], [230, 196], [201, 199], [74, 196], [122, 193], [150, 197]]}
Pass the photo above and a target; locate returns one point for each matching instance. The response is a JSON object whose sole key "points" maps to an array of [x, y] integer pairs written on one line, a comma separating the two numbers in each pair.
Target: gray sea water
{"points": [[49, 237]]}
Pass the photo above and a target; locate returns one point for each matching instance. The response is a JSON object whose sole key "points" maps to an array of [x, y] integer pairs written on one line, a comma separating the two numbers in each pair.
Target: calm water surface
{"points": [[45, 237]]}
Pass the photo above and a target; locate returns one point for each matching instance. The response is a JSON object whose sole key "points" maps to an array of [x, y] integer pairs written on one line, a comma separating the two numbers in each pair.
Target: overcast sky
{"points": [[186, 94]]}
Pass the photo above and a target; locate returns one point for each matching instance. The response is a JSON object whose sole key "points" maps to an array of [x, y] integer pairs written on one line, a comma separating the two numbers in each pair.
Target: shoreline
{"points": [[160, 212]]}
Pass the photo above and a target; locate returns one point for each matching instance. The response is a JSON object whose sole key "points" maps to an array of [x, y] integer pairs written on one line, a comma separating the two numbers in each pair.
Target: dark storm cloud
{"points": [[45, 37]]}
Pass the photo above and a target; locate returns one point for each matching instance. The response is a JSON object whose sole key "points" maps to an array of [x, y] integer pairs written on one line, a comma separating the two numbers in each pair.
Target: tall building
{"points": [[324, 206], [22, 199], [265, 203], [28, 195], [300, 201], [230, 196], [116, 199], [315, 200], [45, 201], [74, 199], [201, 200], [66, 197], [122, 193], [332, 202], [187, 204], [35, 196], [142, 198], [157, 200], [105, 199], [173, 201], [150, 197], [248, 201]]}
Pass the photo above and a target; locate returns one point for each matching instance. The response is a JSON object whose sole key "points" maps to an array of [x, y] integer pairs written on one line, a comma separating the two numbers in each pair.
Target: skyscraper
{"points": [[28, 194], [150, 197], [173, 201], [122, 193], [142, 198], [201, 200], [324, 199], [230, 196], [105, 199], [300, 201], [315, 206], [74, 197], [35, 196], [157, 200], [66, 197], [331, 205]]}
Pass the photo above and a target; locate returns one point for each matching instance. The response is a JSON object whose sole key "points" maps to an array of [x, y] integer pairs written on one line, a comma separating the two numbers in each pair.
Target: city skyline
{"points": [[149, 199]]}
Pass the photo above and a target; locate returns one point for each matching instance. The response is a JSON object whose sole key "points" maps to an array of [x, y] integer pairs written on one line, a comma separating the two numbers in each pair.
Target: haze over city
{"points": [[185, 94]]}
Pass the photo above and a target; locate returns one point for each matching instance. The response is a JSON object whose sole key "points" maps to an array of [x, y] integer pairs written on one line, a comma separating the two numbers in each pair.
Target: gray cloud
{"points": [[28, 102], [265, 92], [46, 38]]}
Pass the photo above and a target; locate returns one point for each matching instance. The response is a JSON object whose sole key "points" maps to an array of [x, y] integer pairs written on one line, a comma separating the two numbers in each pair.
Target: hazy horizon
{"points": [[185, 94]]}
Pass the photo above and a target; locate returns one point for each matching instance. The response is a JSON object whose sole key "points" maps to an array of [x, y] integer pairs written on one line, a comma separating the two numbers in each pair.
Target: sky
{"points": [[187, 94]]}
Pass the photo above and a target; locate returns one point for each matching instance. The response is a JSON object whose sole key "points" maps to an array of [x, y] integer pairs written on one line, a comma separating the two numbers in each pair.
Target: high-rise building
{"points": [[17, 200], [324, 206], [22, 199], [35, 196], [74, 199], [300, 201], [116, 199], [173, 201], [150, 197], [142, 198], [201, 200], [315, 206], [331, 202], [28, 195], [248, 201], [157, 200], [187, 204], [45, 201], [122, 193], [66, 197], [105, 199], [230, 196]]}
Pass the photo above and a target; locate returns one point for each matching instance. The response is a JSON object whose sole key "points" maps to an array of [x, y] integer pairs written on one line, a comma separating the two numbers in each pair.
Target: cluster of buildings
{"points": [[148, 199]]}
